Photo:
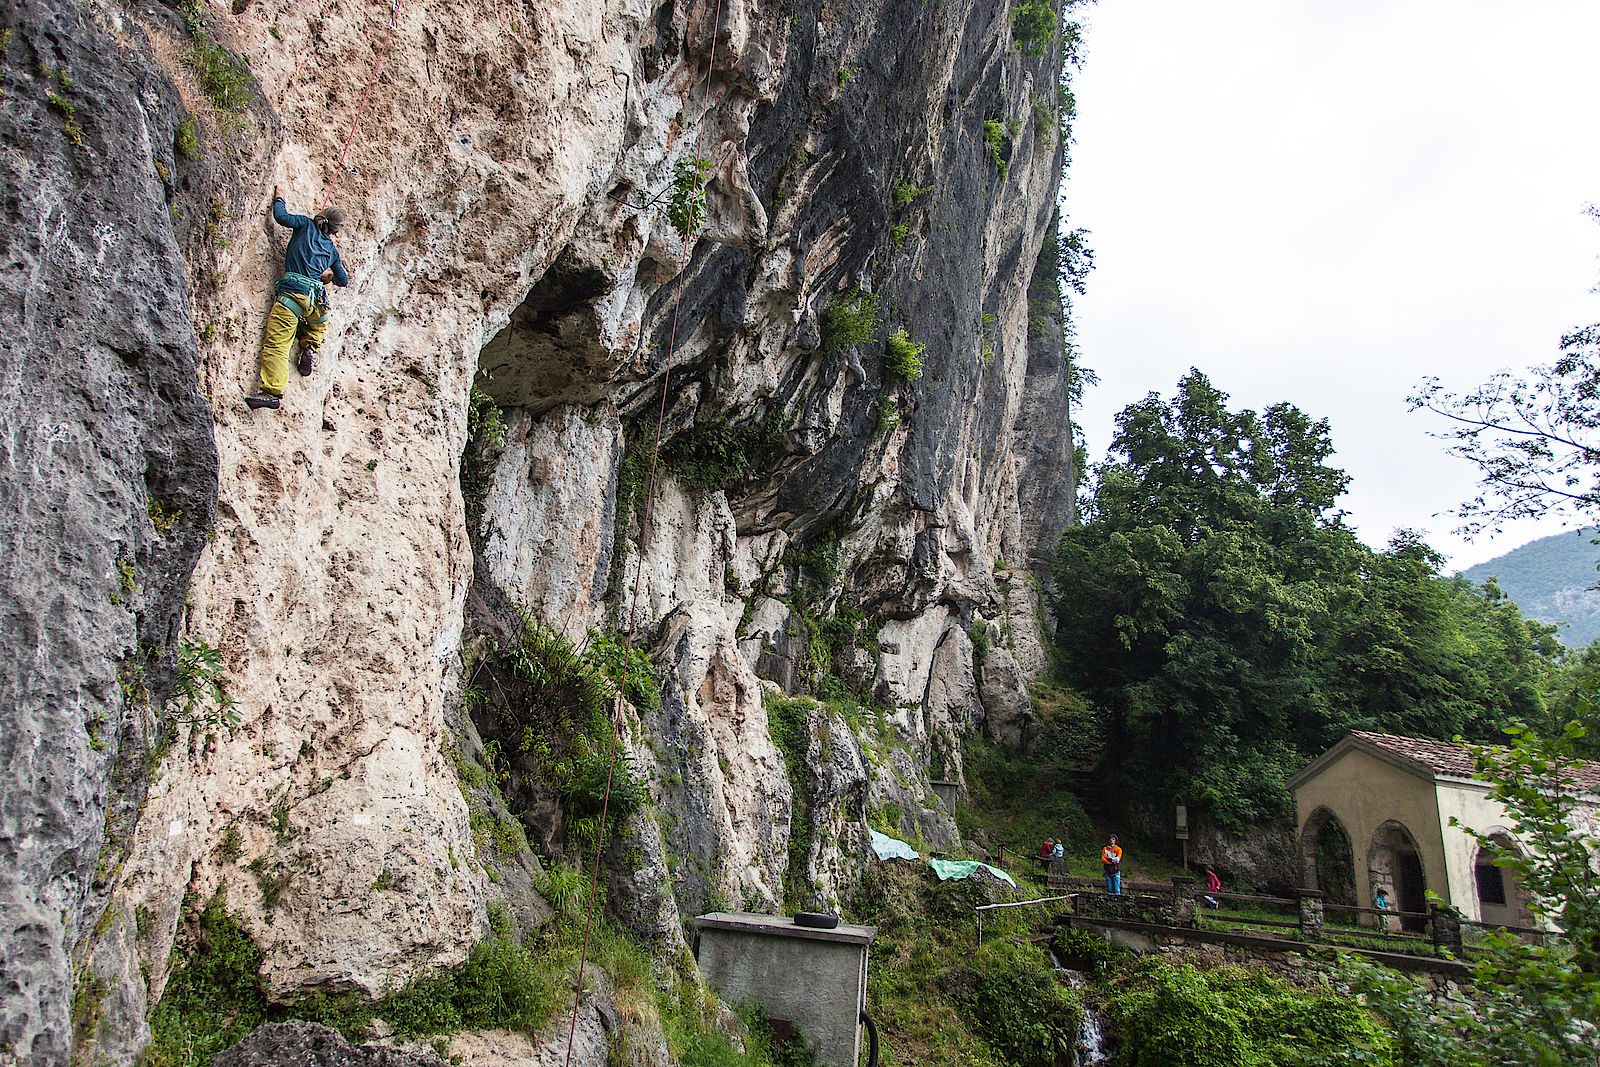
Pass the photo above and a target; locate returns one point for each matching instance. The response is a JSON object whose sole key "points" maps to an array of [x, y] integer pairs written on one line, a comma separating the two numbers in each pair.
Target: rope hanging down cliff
{"points": [[644, 524], [388, 37]]}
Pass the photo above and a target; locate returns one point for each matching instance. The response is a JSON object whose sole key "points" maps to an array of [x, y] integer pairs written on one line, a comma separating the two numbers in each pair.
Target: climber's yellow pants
{"points": [[310, 324]]}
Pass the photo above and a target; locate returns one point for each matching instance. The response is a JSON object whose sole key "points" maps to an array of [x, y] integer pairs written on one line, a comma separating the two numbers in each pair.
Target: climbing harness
{"points": [[311, 305], [394, 13], [638, 563]]}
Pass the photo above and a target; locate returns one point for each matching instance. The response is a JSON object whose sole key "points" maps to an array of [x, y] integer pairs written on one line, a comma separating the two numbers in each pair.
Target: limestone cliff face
{"points": [[508, 189]]}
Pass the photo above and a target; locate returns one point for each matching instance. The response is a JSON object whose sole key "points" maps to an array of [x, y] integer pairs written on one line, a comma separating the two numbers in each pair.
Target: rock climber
{"points": [[299, 299], [1111, 864]]}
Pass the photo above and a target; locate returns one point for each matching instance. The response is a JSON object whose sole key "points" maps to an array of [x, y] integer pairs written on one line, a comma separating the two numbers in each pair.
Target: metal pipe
{"points": [[1020, 903], [872, 1039]]}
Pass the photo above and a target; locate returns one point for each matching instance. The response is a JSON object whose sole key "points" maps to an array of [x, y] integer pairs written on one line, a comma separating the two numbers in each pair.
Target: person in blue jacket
{"points": [[300, 303]]}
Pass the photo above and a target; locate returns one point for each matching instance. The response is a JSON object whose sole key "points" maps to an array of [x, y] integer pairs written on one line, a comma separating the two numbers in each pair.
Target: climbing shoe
{"points": [[262, 400], [308, 362]]}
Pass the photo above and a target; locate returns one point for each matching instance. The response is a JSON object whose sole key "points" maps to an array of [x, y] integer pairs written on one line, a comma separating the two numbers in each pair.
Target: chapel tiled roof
{"points": [[1455, 761]]}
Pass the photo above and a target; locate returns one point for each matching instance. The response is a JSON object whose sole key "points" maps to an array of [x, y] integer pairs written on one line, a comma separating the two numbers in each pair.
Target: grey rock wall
{"points": [[107, 486]]}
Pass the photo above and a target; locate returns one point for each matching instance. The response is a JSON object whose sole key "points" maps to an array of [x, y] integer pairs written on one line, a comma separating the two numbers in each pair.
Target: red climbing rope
{"points": [[338, 169], [638, 563]]}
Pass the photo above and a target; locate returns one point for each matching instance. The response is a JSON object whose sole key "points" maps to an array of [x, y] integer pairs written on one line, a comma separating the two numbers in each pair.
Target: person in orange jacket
{"points": [[1111, 864]]}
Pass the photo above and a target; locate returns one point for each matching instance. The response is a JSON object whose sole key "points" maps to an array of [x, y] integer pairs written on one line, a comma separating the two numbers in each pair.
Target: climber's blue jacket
{"points": [[310, 252]]}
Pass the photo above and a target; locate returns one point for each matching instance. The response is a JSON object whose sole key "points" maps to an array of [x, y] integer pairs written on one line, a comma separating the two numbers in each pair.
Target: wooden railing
{"points": [[1307, 913]]}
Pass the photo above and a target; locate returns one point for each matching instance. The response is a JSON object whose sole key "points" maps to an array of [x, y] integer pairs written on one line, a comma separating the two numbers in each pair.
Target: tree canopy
{"points": [[1229, 626]]}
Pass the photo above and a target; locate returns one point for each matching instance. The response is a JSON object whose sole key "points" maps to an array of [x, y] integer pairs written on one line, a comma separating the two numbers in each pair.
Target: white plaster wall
{"points": [[1470, 804]]}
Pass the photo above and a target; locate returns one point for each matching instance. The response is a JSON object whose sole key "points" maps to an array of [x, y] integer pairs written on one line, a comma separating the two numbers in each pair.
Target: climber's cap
{"points": [[329, 220]]}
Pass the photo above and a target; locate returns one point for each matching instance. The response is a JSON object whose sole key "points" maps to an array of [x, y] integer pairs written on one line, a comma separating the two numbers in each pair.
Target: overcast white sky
{"points": [[1324, 203]]}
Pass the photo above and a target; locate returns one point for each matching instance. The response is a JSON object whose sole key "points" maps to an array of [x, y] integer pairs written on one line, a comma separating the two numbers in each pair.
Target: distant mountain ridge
{"points": [[1552, 580]]}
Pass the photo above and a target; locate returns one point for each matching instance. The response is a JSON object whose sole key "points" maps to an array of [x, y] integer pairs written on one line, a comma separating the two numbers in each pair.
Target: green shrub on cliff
{"points": [[550, 705], [686, 207], [941, 1000], [502, 984], [994, 134], [188, 140], [903, 356], [199, 689], [850, 319], [1033, 26], [1029, 1018], [486, 433], [224, 79], [789, 725], [711, 455]]}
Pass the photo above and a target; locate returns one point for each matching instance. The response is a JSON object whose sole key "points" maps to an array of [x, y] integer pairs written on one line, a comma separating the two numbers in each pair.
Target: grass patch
{"points": [[1029, 1018], [216, 996], [502, 984], [188, 140], [1025, 798]]}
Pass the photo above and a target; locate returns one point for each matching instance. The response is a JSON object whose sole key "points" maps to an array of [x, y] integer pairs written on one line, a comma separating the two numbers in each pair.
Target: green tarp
{"points": [[948, 869]]}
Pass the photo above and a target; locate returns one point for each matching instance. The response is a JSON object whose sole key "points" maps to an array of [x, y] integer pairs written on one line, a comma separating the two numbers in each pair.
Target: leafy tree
{"points": [[1230, 626], [1186, 603], [1534, 437], [1568, 692], [1531, 1004]]}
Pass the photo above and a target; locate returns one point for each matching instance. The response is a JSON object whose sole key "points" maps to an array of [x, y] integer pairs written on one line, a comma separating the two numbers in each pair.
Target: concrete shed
{"points": [[1375, 809], [811, 978]]}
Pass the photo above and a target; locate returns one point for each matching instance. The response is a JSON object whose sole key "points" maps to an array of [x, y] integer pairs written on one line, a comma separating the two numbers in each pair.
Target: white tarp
{"points": [[890, 848]]}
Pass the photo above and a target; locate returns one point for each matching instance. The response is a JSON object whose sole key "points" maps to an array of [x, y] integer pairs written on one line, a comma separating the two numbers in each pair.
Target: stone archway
{"points": [[1502, 900], [1327, 861], [1394, 864]]}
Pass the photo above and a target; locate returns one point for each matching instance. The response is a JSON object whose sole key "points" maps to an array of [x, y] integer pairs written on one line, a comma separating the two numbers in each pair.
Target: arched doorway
{"points": [[1395, 866], [1327, 862], [1501, 898]]}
